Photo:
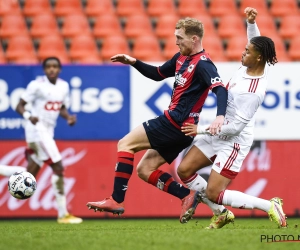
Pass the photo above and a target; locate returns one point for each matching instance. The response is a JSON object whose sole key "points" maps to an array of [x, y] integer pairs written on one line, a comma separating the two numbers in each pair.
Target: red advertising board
{"points": [[271, 169]]}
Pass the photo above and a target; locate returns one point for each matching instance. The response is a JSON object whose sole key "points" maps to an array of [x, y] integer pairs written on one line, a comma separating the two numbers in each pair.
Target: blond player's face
{"points": [[184, 42], [250, 56]]}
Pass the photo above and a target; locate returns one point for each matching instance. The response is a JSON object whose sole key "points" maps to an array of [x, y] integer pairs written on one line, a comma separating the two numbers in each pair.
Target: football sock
{"points": [[165, 182], [58, 187], [9, 170], [240, 200], [123, 173], [196, 182]]}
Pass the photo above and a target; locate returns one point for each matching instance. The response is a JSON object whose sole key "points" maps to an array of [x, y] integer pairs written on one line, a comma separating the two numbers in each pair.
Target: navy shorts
{"points": [[165, 138]]}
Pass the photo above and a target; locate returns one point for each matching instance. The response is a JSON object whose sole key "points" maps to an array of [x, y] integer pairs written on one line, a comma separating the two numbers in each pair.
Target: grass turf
{"points": [[151, 234]]}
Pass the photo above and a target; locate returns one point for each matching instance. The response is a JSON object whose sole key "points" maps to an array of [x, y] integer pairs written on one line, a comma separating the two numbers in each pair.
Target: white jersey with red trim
{"points": [[245, 95], [46, 99]]}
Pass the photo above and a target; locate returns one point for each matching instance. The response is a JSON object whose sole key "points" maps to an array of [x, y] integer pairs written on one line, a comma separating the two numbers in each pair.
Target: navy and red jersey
{"points": [[194, 76]]}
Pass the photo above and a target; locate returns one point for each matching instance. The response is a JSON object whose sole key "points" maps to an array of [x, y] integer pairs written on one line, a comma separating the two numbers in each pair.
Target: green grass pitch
{"points": [[163, 234]]}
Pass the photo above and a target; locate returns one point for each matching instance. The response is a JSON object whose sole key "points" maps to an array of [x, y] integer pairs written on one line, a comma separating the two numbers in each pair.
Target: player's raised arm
{"points": [[252, 28]]}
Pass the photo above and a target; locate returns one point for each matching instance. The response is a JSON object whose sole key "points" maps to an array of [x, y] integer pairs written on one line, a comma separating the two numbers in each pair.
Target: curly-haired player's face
{"points": [[250, 56], [184, 42], [52, 69]]}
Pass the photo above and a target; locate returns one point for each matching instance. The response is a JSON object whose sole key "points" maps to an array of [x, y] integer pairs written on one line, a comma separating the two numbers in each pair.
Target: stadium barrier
{"points": [[269, 170]]}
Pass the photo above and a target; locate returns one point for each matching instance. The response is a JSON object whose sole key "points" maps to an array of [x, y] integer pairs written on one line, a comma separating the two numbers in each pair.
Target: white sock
{"points": [[196, 182], [238, 199], [9, 170], [58, 186]]}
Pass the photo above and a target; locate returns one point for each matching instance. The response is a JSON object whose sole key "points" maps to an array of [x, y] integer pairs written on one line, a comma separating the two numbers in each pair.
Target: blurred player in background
{"points": [[195, 74], [49, 96], [228, 149]]}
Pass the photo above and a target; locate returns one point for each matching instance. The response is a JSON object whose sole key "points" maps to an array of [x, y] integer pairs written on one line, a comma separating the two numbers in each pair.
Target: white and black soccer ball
{"points": [[22, 185]]}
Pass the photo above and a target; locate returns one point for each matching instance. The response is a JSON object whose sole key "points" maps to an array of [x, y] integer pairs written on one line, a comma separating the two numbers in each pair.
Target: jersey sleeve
{"points": [[208, 74], [246, 106], [252, 31], [30, 93], [169, 67]]}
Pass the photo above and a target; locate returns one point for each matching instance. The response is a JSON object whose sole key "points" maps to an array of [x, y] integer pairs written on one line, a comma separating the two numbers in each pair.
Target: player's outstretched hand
{"points": [[72, 119], [251, 14], [215, 127], [122, 58], [33, 119], [189, 129]]}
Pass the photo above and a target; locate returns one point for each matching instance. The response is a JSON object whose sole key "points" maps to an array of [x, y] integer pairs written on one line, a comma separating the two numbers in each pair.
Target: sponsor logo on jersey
{"points": [[190, 68], [179, 62], [180, 80], [215, 80], [203, 57], [232, 85], [54, 106], [193, 114]]}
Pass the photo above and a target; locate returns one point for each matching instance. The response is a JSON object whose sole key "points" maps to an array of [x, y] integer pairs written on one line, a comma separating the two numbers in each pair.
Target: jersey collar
{"points": [[245, 75], [192, 56]]}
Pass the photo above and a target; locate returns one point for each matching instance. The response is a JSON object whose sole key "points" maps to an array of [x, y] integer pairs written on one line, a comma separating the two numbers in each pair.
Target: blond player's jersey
{"points": [[46, 99], [245, 95]]}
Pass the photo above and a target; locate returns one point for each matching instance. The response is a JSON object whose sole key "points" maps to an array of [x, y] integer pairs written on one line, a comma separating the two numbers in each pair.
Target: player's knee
{"points": [[211, 194], [142, 172], [183, 173], [122, 145], [58, 168]]}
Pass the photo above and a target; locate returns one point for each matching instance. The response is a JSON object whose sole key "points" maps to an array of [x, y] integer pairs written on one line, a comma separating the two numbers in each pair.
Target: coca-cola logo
{"points": [[43, 197]]}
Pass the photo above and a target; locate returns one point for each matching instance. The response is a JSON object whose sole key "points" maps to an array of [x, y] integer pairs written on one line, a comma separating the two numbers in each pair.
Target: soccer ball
{"points": [[22, 185]]}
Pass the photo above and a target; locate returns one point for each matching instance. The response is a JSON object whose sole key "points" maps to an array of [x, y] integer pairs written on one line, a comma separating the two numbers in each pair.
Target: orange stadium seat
{"points": [[98, 8], [12, 25], [170, 48], [113, 45], [130, 7], [146, 48], [36, 7], [266, 24], [43, 25], [83, 46], [67, 7], [106, 25], [222, 7], [165, 26], [19, 46], [259, 5], [9, 8], [213, 46], [26, 59], [89, 59], [191, 7], [231, 25], [160, 7], [235, 47], [289, 26], [53, 45], [74, 25], [2, 57], [137, 25], [284, 7], [281, 52], [294, 51]]}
